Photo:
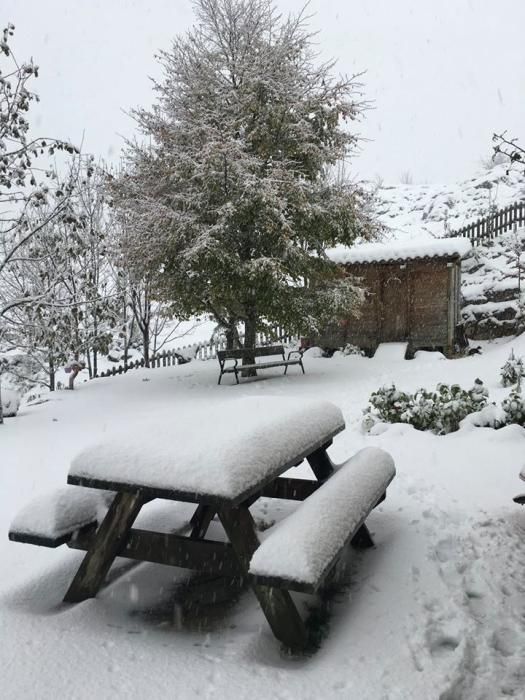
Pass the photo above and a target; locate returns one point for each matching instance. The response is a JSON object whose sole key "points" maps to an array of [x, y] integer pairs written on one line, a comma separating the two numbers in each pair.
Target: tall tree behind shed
{"points": [[229, 199]]}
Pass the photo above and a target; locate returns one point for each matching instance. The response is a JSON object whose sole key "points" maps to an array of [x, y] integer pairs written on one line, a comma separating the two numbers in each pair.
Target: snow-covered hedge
{"points": [[10, 402], [440, 411]]}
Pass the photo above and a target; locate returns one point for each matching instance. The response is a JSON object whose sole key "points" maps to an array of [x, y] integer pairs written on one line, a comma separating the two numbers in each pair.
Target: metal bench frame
{"points": [[270, 350]]}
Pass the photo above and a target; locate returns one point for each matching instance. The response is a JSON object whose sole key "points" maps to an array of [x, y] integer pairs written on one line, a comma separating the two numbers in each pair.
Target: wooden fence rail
{"points": [[197, 351], [490, 227]]}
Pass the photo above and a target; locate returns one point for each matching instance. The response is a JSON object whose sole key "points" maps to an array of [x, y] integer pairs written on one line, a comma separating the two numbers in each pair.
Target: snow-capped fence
{"points": [[489, 227], [197, 351]]}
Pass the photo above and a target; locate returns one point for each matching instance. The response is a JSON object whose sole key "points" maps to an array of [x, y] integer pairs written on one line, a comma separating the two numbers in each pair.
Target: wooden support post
{"points": [[277, 604], [200, 521], [362, 538], [109, 539], [320, 463]]}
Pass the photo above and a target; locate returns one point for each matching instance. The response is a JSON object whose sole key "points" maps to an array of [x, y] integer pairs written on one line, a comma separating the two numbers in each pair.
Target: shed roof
{"points": [[367, 253]]}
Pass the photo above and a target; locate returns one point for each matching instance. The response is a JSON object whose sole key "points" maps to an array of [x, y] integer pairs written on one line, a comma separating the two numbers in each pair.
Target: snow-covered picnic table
{"points": [[222, 459]]}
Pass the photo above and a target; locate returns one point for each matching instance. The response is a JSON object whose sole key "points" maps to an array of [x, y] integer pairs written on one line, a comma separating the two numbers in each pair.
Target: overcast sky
{"points": [[443, 75]]}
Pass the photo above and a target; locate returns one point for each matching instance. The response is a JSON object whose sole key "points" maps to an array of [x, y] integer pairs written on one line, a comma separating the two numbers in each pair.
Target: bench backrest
{"points": [[239, 353]]}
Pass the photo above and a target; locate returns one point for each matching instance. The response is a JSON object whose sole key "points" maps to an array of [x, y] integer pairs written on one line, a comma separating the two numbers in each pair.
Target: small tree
{"points": [[24, 187], [231, 202]]}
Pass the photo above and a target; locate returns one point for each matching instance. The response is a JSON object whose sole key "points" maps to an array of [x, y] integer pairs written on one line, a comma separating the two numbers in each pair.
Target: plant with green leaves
{"points": [[440, 411], [513, 370]]}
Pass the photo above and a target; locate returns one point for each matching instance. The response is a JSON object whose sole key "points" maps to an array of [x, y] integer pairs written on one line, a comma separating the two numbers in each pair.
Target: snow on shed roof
{"points": [[386, 252]]}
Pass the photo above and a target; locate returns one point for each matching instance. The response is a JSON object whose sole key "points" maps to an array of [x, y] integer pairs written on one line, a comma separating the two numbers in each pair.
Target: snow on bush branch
{"points": [[512, 371], [440, 411]]}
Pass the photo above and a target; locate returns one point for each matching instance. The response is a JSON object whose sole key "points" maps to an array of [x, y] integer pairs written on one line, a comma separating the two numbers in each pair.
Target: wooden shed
{"points": [[412, 294]]}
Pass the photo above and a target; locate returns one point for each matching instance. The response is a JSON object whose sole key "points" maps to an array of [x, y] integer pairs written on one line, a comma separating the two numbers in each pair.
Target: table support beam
{"points": [[277, 605], [109, 539]]}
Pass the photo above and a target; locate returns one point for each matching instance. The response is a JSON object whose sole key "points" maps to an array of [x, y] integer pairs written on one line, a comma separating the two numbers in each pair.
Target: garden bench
{"points": [[225, 356], [167, 461]]}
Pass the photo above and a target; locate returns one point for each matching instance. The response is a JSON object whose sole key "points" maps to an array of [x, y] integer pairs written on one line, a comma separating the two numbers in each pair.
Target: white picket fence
{"points": [[197, 351]]}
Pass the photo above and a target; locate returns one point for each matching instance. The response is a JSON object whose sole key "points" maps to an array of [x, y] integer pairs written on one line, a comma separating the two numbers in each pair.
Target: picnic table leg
{"points": [[362, 538], [200, 521], [277, 604], [107, 542], [321, 464]]}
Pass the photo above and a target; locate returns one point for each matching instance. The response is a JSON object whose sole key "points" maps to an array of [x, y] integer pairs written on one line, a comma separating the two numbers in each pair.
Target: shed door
{"points": [[394, 321]]}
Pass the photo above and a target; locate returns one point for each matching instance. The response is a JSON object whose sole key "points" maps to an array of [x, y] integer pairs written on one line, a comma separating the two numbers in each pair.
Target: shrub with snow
{"points": [[440, 411], [513, 370], [350, 349], [10, 402], [513, 408]]}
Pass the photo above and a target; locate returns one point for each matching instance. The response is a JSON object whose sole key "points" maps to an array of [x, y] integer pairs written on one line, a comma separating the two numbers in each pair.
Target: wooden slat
{"points": [[290, 489], [207, 556], [53, 542]]}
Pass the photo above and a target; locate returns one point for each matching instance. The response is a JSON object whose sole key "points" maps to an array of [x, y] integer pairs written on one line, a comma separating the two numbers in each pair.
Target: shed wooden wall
{"points": [[416, 301]]}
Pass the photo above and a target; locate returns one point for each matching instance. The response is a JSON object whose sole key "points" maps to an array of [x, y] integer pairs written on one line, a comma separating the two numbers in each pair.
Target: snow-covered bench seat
{"points": [[53, 519], [300, 551]]}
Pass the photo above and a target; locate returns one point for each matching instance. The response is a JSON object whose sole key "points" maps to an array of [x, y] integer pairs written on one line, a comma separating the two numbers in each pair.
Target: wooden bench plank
{"points": [[52, 519], [300, 551]]}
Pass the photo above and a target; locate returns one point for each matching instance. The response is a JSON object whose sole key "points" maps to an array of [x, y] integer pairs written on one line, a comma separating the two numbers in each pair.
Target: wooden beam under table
{"points": [[277, 605], [207, 556], [105, 546]]}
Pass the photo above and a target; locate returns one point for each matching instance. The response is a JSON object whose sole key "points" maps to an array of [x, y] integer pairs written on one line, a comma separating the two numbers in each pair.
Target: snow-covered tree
{"points": [[26, 179], [230, 201]]}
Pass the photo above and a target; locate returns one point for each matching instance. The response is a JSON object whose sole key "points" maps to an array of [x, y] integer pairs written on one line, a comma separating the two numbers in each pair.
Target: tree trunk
{"points": [[145, 345], [89, 365], [1, 407], [250, 337], [52, 372], [232, 336], [95, 361]]}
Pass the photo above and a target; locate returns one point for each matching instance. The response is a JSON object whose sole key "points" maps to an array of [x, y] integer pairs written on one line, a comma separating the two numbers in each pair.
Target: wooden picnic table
{"points": [[223, 477]]}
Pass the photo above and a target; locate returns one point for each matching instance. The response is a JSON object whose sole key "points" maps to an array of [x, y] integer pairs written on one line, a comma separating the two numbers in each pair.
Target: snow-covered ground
{"points": [[422, 211], [436, 610]]}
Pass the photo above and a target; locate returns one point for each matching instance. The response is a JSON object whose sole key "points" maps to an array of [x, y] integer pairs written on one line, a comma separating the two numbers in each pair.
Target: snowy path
{"points": [[436, 610]]}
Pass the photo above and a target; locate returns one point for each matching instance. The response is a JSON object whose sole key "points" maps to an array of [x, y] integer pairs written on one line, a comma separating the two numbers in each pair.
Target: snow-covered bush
{"points": [[513, 408], [350, 349], [10, 402], [440, 411], [513, 370]]}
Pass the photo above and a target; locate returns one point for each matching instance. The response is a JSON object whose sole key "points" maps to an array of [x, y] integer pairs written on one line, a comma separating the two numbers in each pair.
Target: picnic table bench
{"points": [[225, 356], [223, 478]]}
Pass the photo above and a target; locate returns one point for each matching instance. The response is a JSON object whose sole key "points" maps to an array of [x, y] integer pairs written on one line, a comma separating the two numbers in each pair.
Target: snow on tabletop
{"points": [[59, 512], [384, 252], [221, 452], [303, 545]]}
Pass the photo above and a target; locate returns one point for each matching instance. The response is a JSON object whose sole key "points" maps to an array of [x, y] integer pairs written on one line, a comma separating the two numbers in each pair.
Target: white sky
{"points": [[443, 74]]}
